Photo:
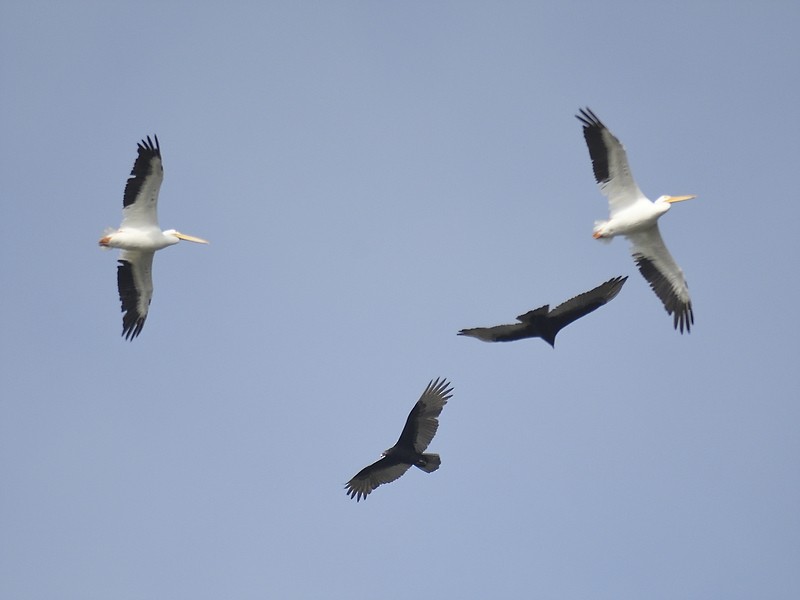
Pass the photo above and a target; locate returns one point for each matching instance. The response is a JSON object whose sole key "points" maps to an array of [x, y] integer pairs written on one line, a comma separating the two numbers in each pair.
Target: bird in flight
{"points": [[139, 237], [634, 216], [421, 426], [545, 323]]}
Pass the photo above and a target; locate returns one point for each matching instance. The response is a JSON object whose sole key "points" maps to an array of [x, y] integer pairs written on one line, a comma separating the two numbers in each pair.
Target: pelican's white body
{"points": [[142, 239], [636, 218]]}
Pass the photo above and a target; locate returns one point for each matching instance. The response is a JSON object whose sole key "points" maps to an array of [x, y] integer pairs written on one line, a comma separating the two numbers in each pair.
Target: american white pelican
{"points": [[633, 215], [139, 237]]}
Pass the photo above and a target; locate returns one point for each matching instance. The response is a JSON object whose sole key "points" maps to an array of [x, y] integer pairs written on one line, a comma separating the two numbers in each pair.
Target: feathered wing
{"points": [[582, 304], [510, 332], [423, 420], [664, 275], [498, 333], [610, 163], [135, 283], [367, 479], [140, 201], [545, 323]]}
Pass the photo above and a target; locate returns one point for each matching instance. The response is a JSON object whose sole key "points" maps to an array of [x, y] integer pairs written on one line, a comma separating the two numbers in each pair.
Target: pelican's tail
{"points": [[104, 240], [598, 232]]}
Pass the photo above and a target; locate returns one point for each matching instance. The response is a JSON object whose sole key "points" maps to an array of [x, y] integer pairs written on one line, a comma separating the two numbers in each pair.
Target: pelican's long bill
{"points": [[197, 240], [672, 199]]}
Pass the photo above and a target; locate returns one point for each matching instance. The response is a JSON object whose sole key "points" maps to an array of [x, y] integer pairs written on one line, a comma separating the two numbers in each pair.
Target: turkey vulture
{"points": [[420, 428], [546, 323]]}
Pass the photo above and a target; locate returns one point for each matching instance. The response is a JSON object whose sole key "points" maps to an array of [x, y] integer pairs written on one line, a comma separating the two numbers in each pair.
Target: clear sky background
{"points": [[374, 176]]}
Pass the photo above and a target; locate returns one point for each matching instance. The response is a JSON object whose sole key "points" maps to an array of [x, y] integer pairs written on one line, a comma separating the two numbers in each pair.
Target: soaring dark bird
{"points": [[546, 323], [421, 426], [139, 237], [633, 215]]}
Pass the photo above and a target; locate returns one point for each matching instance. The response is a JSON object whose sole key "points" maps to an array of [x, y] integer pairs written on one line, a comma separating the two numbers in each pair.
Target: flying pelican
{"points": [[545, 323], [633, 215], [139, 237]]}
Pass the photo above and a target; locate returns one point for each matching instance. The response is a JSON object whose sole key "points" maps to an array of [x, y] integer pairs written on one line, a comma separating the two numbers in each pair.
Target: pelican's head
{"points": [[664, 203], [673, 199], [183, 236]]}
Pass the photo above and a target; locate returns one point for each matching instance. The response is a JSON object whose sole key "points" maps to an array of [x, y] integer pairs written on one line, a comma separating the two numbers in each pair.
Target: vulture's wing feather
{"points": [[367, 479], [499, 333], [423, 420], [582, 304]]}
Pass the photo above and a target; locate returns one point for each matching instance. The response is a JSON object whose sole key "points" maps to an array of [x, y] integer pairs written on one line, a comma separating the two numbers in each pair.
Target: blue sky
{"points": [[373, 177]]}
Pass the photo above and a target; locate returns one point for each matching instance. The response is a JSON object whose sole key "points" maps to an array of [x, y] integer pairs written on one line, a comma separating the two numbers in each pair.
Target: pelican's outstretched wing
{"points": [[610, 164], [140, 202], [135, 283], [664, 275]]}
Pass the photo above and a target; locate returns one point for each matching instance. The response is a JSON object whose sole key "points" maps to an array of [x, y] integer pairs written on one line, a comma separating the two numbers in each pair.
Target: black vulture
{"points": [[421, 426], [546, 323]]}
